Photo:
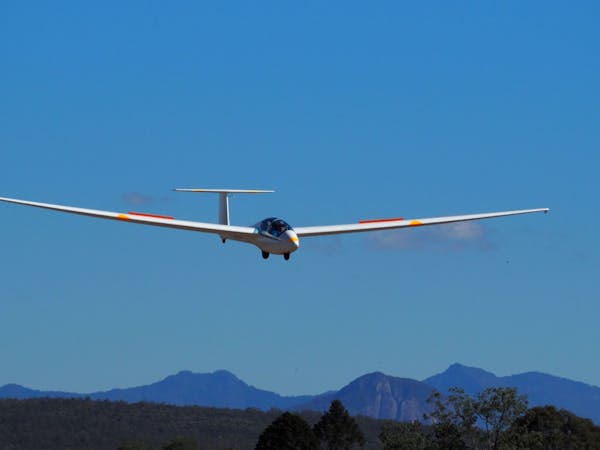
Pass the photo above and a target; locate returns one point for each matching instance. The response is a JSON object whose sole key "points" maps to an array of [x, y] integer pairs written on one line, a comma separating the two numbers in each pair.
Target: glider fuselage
{"points": [[275, 236]]}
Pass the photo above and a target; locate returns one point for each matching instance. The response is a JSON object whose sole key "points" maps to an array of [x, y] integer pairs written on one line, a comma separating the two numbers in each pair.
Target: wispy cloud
{"points": [[450, 237], [137, 199]]}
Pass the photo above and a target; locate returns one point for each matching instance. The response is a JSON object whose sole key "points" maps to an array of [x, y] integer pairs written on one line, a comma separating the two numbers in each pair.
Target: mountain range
{"points": [[374, 395]]}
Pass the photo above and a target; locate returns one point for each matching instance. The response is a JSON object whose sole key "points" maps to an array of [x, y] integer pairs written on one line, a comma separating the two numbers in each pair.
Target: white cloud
{"points": [[449, 237], [325, 244]]}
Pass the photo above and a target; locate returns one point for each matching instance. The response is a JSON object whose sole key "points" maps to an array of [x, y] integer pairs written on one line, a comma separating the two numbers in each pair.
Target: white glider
{"points": [[271, 235]]}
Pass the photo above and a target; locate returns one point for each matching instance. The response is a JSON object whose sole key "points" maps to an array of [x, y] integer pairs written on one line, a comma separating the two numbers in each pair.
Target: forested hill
{"points": [[75, 424], [69, 424], [540, 388], [375, 395]]}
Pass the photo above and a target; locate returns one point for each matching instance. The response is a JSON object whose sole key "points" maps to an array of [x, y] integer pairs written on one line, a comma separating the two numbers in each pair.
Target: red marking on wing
{"points": [[381, 220], [156, 216]]}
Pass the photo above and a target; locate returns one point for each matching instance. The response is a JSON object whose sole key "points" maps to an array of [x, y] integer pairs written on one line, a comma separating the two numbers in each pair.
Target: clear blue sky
{"points": [[349, 111]]}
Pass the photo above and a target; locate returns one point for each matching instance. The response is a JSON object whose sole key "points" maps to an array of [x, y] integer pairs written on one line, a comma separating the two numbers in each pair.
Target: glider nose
{"points": [[293, 239]]}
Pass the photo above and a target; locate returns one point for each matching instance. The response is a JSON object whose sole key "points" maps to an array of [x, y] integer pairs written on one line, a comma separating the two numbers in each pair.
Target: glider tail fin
{"points": [[224, 198]]}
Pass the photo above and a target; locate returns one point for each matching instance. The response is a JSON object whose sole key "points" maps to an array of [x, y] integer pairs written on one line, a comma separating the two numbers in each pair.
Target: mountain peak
{"points": [[373, 376], [471, 379], [225, 374], [222, 374], [380, 396], [457, 367]]}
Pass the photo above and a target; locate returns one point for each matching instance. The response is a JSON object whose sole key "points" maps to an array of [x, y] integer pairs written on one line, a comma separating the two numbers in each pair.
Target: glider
{"points": [[271, 235]]}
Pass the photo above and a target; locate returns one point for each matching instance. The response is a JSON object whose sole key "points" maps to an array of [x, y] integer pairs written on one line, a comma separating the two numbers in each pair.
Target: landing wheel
{"points": [[265, 255], [286, 256]]}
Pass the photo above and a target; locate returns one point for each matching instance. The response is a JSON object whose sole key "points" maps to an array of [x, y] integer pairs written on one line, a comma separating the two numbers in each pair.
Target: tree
{"points": [[456, 418], [288, 432], [453, 419], [404, 436], [498, 408], [337, 430], [545, 427]]}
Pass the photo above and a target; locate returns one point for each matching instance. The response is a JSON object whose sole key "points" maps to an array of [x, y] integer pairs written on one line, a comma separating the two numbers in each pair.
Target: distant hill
{"points": [[540, 388], [378, 396], [22, 393], [374, 395], [220, 389]]}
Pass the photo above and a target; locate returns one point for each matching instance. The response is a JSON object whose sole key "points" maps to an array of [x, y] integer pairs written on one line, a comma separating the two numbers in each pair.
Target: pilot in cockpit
{"points": [[279, 228]]}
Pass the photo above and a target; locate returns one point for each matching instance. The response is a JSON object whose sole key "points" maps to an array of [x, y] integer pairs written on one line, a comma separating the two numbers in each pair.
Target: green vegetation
{"points": [[495, 419], [77, 424], [288, 432], [337, 430], [404, 435], [548, 428], [80, 423]]}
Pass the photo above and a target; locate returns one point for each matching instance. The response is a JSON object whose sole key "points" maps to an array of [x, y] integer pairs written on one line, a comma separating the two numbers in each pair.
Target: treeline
{"points": [[497, 418], [76, 424]]}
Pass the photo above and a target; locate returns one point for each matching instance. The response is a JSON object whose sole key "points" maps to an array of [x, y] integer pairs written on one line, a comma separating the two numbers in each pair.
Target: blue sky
{"points": [[349, 111]]}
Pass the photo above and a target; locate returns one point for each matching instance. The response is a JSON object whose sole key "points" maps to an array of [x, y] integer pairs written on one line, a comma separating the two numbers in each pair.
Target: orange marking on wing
{"points": [[156, 216], [381, 220], [415, 223], [123, 217]]}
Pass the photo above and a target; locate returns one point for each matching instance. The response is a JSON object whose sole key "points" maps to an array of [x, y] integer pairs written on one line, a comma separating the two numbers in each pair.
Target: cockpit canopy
{"points": [[273, 226]]}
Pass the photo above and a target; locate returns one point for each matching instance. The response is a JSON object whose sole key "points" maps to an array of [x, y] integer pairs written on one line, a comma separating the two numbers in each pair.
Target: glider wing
{"points": [[225, 231], [387, 224]]}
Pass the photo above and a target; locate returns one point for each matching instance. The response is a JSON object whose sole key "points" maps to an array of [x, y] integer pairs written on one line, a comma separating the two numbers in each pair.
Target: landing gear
{"points": [[266, 255]]}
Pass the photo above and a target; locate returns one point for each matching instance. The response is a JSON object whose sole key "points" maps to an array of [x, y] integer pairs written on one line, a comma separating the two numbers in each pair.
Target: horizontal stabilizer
{"points": [[224, 199], [227, 191]]}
